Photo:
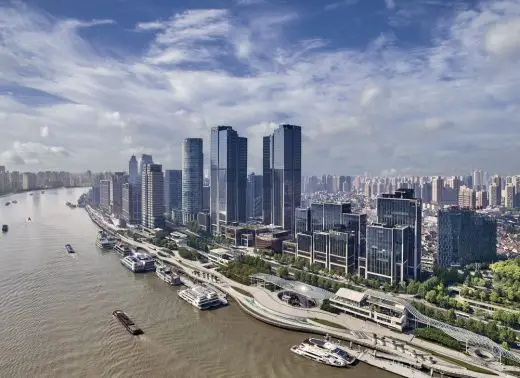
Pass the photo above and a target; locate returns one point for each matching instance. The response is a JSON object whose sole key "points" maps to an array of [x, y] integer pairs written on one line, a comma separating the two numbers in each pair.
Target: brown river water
{"points": [[55, 311]]}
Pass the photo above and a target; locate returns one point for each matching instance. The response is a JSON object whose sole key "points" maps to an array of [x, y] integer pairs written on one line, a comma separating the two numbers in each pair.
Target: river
{"points": [[55, 311]]}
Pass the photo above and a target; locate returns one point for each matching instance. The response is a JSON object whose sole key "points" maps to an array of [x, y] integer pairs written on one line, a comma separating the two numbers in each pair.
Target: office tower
{"points": [[437, 190], [145, 159], [494, 198], [482, 200], [328, 216], [104, 195], [303, 221], [132, 203], [402, 209], [96, 193], [116, 192], [388, 248], [357, 224], [152, 196], [254, 196], [426, 192], [172, 190], [509, 196], [133, 171], [497, 182], [465, 237], [267, 180], [192, 178], [467, 198], [228, 162], [478, 180], [206, 192], [283, 151]]}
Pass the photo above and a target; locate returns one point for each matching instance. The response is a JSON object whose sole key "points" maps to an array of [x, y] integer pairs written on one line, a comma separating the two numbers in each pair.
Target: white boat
{"points": [[323, 351], [105, 241], [122, 249], [139, 262], [165, 274], [202, 297]]}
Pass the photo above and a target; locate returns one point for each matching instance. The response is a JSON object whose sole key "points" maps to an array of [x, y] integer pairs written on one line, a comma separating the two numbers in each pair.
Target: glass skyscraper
{"points": [[192, 178], [402, 209], [172, 190], [282, 163], [465, 237], [228, 174]]}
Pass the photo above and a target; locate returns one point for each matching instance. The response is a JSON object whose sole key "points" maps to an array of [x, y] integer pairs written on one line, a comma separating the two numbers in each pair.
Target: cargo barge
{"points": [[127, 322]]}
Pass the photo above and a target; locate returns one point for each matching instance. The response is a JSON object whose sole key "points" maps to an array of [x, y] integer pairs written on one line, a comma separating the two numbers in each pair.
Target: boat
{"points": [[105, 241], [69, 248], [202, 297], [5, 228], [323, 351], [139, 262], [122, 249], [127, 322], [165, 274], [42, 192], [7, 203], [29, 219], [14, 201]]}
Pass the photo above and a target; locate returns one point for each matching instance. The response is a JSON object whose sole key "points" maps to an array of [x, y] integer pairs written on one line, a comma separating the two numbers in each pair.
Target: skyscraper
{"points": [[132, 203], [192, 178], [116, 192], [104, 194], [133, 171], [228, 162], [402, 209], [266, 182], [172, 190], [152, 196], [145, 159], [254, 196], [283, 175]]}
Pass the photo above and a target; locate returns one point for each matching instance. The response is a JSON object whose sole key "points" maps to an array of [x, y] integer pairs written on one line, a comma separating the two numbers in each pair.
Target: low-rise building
{"points": [[371, 305], [221, 256]]}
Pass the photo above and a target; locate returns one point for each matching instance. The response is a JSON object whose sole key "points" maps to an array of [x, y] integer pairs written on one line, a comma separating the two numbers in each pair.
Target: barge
{"points": [[127, 322], [69, 248]]}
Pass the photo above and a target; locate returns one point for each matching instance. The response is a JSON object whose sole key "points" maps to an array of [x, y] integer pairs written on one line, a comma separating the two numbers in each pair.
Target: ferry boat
{"points": [[139, 262], [105, 241], [202, 297], [127, 322], [5, 228], [165, 274], [69, 248], [122, 249], [323, 351]]}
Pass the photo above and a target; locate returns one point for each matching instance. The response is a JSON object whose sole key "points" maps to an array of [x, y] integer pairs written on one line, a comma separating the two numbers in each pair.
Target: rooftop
{"points": [[295, 286], [351, 295]]}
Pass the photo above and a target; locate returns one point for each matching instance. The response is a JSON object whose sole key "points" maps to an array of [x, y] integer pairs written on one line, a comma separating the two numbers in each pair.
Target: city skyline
{"points": [[425, 89]]}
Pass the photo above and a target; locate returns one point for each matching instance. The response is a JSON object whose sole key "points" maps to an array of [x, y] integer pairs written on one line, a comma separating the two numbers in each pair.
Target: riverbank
{"points": [[391, 353]]}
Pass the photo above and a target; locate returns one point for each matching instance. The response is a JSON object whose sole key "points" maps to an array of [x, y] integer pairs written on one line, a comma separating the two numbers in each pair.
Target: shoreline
{"points": [[383, 352]]}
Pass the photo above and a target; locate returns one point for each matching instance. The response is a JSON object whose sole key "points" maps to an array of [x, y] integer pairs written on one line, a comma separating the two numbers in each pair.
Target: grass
{"points": [[328, 323], [243, 292], [456, 361]]}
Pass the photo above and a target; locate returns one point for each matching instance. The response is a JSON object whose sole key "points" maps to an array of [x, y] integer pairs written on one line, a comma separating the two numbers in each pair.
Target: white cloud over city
{"points": [[446, 107]]}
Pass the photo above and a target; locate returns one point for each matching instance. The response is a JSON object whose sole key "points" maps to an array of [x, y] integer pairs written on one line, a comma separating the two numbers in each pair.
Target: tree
{"points": [[283, 271], [431, 296]]}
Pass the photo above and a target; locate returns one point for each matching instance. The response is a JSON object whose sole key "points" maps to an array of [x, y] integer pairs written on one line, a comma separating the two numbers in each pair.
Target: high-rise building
{"points": [[267, 202], [328, 216], [467, 198], [206, 193], [388, 248], [172, 190], [145, 159], [132, 203], [509, 196], [402, 209], [192, 178], [116, 192], [478, 180], [133, 171], [302, 221], [254, 196], [152, 196], [437, 190], [482, 200], [228, 166], [497, 181], [28, 181], [104, 194], [465, 237], [283, 175]]}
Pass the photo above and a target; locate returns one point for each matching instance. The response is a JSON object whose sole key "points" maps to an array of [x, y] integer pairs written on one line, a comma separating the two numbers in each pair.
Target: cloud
{"points": [[390, 4], [362, 108]]}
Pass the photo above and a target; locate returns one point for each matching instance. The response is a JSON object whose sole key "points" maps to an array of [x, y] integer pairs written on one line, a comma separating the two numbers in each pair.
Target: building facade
{"points": [[192, 178], [172, 190], [228, 177], [117, 181], [465, 237], [283, 175], [104, 195], [254, 196], [132, 204], [152, 196]]}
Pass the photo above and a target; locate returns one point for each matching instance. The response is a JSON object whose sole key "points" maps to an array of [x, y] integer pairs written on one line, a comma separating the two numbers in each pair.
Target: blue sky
{"points": [[380, 86]]}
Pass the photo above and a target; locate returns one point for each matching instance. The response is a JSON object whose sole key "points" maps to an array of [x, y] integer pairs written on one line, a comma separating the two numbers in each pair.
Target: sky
{"points": [[393, 87]]}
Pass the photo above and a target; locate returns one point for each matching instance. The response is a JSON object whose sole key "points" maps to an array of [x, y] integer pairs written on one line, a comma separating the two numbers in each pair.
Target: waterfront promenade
{"points": [[398, 353]]}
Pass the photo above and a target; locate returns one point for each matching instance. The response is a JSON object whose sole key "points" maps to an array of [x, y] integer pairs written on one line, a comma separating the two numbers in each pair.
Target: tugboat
{"points": [[69, 248], [127, 322], [5, 228]]}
